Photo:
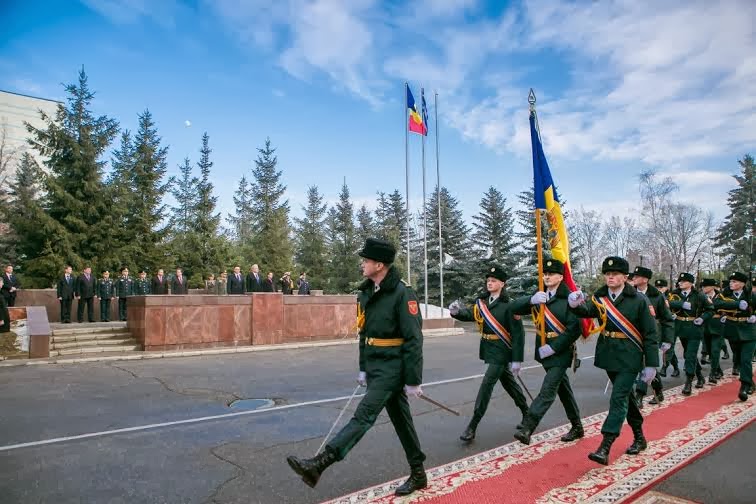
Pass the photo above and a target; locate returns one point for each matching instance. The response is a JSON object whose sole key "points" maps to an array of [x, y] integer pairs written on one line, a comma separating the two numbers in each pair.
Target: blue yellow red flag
{"points": [[417, 123]]}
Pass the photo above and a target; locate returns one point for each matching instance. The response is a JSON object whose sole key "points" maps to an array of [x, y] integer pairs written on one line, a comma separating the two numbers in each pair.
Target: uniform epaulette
{"points": [[406, 283]]}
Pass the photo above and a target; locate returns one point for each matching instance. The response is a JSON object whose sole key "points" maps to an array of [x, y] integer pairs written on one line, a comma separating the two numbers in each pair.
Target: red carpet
{"points": [[549, 471]]}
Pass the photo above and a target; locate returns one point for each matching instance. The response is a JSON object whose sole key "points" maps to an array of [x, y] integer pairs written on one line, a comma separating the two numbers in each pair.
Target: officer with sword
{"points": [[391, 367]]}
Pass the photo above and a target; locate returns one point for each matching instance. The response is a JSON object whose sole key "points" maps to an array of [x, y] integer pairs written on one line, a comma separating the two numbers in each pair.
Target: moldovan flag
{"points": [[417, 123]]}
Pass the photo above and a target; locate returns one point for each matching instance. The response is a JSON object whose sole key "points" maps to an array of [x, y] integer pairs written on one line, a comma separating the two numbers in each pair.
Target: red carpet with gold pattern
{"points": [[549, 471]]}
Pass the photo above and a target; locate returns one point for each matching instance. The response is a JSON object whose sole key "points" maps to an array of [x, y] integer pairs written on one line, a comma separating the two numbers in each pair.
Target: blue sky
{"points": [[621, 86]]}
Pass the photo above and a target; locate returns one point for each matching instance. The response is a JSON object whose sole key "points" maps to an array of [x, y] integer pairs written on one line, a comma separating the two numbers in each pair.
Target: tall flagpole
{"points": [[425, 211], [438, 197], [406, 175]]}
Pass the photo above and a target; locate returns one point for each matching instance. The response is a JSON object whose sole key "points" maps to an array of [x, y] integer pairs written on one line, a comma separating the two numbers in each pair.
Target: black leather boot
{"points": [[575, 433], [663, 371], [601, 455], [675, 372], [688, 387], [311, 469], [700, 381], [743, 393], [524, 412], [704, 359], [712, 378], [658, 397], [639, 442], [469, 433], [725, 353], [416, 481], [735, 372]]}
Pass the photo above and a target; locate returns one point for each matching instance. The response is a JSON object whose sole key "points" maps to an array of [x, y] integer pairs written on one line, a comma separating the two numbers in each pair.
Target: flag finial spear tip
{"points": [[532, 97]]}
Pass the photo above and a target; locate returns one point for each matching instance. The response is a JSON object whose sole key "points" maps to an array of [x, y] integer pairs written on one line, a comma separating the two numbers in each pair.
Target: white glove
{"points": [[576, 298], [454, 308], [751, 319], [362, 379], [698, 321], [686, 305], [665, 346], [723, 319], [414, 391], [515, 368], [539, 298], [648, 374], [546, 351], [743, 305]]}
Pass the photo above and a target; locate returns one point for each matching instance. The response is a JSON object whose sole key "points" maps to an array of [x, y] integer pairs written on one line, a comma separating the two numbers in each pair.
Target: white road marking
{"points": [[187, 421]]}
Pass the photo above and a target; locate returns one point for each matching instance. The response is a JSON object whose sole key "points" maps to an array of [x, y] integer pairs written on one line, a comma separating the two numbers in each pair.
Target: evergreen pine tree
{"points": [[344, 273], [241, 221], [310, 248], [365, 225], [459, 272], [390, 225], [147, 212], [77, 208], [272, 241], [24, 216], [212, 248], [184, 191], [494, 231], [737, 233], [525, 280]]}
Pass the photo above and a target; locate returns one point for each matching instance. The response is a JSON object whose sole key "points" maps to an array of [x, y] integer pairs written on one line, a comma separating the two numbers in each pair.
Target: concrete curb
{"points": [[432, 333]]}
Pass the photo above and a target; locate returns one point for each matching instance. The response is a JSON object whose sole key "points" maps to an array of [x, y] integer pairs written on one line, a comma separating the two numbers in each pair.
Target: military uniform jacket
{"points": [[564, 343], [714, 326], [141, 287], [699, 307], [736, 328], [659, 308], [391, 313], [125, 287], [495, 351], [66, 288], [621, 354], [105, 288]]}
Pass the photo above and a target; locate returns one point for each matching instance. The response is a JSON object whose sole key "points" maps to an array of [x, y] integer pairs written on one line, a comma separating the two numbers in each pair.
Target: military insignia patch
{"points": [[651, 309], [412, 307], [610, 262], [548, 263], [493, 269]]}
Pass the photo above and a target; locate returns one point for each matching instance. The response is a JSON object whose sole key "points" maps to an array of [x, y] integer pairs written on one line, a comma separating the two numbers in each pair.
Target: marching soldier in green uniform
{"points": [[501, 345], [556, 355], [391, 366], [713, 329], [692, 309], [669, 357], [740, 328], [627, 345], [657, 304], [142, 285], [124, 290], [106, 292]]}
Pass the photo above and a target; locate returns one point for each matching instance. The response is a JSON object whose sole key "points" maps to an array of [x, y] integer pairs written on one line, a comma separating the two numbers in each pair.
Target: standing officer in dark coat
{"points": [[10, 286], [562, 331], [85, 292], [501, 345], [665, 328], [391, 366], [106, 292], [236, 282], [254, 279], [740, 328], [4, 314], [159, 283], [178, 285], [670, 357], [692, 309], [141, 284], [124, 290], [65, 294], [627, 345], [713, 329]]}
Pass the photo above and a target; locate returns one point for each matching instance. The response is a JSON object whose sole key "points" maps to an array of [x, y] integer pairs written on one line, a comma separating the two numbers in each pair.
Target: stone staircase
{"points": [[69, 340]]}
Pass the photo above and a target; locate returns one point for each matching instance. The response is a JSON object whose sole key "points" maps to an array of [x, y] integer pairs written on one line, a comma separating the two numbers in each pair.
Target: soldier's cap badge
{"points": [[493, 269], [610, 263], [548, 263]]}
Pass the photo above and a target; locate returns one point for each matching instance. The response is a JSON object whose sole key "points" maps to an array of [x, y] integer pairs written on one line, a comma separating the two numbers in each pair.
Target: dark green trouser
{"points": [[494, 373], [670, 357], [744, 352], [556, 382], [691, 345], [104, 310], [622, 403], [122, 308], [364, 417], [715, 352]]}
